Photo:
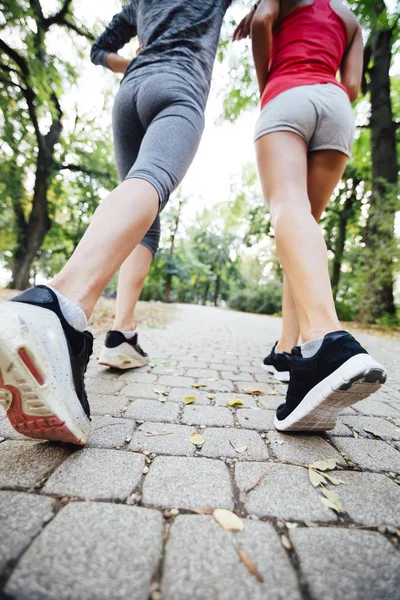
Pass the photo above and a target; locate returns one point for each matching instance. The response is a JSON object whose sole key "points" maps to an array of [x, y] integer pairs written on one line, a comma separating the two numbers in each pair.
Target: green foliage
{"points": [[267, 299]]}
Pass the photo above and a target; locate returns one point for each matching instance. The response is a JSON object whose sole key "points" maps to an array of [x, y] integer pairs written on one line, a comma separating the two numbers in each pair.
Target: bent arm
{"points": [[118, 33], [352, 65], [262, 24]]}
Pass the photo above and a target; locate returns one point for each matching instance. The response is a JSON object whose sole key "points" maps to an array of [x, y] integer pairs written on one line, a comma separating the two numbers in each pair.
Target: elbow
{"points": [[353, 89], [94, 54]]}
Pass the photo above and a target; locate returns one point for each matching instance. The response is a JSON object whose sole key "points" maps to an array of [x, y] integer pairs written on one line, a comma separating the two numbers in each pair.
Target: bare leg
{"points": [[117, 227], [321, 183], [132, 276], [282, 162]]}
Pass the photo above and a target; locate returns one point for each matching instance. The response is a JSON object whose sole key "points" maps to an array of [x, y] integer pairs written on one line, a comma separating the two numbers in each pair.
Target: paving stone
{"points": [[173, 381], [97, 474], [109, 432], [386, 430], [207, 415], [219, 443], [99, 372], [370, 454], [211, 567], [144, 390], [179, 394], [221, 399], [174, 439], [340, 430], [237, 376], [152, 410], [21, 518], [261, 420], [219, 366], [7, 431], [167, 370], [108, 405], [217, 386], [271, 402], [104, 386], [134, 376], [348, 411], [193, 364], [339, 563], [202, 373], [285, 492], [369, 498], [374, 408], [24, 464], [301, 448], [91, 551], [187, 483]]}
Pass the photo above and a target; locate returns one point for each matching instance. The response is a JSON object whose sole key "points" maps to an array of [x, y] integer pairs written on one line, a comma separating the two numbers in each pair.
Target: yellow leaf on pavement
{"points": [[190, 400], [316, 478], [324, 465], [228, 520], [252, 390], [333, 498], [232, 402], [197, 439]]}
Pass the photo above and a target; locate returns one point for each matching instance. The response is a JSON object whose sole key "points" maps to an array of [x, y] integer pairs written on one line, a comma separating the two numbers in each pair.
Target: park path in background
{"points": [[127, 517]]}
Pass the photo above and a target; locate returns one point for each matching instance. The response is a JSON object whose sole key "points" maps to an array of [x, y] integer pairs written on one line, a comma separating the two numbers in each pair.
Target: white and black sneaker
{"points": [[42, 365], [340, 374], [278, 364], [122, 353]]}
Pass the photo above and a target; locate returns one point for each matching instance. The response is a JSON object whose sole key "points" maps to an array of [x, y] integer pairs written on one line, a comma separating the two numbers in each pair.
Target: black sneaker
{"points": [[120, 353], [42, 365], [340, 374], [278, 364]]}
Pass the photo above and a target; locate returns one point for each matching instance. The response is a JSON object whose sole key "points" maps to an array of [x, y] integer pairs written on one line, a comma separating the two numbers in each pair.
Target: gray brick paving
{"points": [[348, 564], [91, 551], [26, 464], [108, 405], [370, 454], [152, 410], [369, 498], [21, 518], [385, 429], [105, 550], [301, 448], [207, 415], [109, 432], [188, 483], [285, 492], [202, 562], [221, 442], [97, 474], [164, 438]]}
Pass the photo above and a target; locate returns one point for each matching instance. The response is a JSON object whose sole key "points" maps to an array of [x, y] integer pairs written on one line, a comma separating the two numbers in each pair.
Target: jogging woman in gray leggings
{"points": [[158, 120]]}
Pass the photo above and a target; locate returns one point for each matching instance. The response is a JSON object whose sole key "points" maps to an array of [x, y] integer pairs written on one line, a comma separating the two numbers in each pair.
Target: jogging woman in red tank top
{"points": [[304, 137]]}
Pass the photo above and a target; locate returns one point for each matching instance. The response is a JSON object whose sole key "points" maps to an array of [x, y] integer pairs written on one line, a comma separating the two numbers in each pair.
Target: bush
{"points": [[266, 300]]}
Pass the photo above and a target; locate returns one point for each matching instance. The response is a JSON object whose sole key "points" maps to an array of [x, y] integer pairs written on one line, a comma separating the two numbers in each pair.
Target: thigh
{"points": [[128, 130], [282, 165], [325, 169]]}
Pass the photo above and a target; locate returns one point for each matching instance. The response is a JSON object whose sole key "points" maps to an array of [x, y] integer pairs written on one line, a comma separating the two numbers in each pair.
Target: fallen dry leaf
{"points": [[239, 447], [373, 431], [160, 392], [190, 400], [211, 396], [324, 465], [272, 393], [250, 566], [286, 543], [198, 385], [213, 379], [197, 439], [334, 500], [232, 402], [316, 478], [333, 480], [252, 390], [228, 520]]}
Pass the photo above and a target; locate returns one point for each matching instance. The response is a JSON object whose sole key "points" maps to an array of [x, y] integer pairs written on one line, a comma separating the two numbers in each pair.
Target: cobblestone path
{"points": [[128, 517]]}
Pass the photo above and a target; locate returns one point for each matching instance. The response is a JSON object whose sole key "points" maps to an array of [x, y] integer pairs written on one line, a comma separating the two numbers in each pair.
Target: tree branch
{"points": [[80, 169], [79, 30], [58, 17], [17, 58]]}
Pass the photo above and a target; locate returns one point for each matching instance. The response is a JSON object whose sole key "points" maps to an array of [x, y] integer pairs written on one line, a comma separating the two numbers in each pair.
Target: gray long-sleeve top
{"points": [[177, 36]]}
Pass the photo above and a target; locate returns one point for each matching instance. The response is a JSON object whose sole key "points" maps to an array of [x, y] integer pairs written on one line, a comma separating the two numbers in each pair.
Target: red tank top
{"points": [[307, 48]]}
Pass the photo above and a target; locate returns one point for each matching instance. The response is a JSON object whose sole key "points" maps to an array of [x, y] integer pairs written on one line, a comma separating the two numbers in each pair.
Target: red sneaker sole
{"points": [[48, 427]]}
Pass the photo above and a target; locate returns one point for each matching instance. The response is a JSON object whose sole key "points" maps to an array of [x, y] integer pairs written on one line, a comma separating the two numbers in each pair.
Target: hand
{"points": [[242, 31], [117, 63]]}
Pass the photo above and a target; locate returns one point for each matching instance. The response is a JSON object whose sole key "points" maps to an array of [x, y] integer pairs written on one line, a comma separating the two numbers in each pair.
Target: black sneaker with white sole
{"points": [[278, 364], [121, 353], [340, 374], [42, 366]]}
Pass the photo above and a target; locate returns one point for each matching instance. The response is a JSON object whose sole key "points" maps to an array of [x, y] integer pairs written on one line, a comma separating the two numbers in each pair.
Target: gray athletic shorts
{"points": [[157, 128], [321, 114]]}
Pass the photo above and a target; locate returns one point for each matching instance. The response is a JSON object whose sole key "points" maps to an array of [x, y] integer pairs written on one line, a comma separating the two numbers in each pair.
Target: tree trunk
{"points": [[168, 285], [216, 292], [340, 241], [206, 290], [379, 235]]}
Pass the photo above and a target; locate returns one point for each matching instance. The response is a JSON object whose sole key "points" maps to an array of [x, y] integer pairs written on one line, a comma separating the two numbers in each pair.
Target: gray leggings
{"points": [[157, 128]]}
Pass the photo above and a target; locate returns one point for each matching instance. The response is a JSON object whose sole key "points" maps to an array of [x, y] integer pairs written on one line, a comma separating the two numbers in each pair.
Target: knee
{"points": [[285, 210]]}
